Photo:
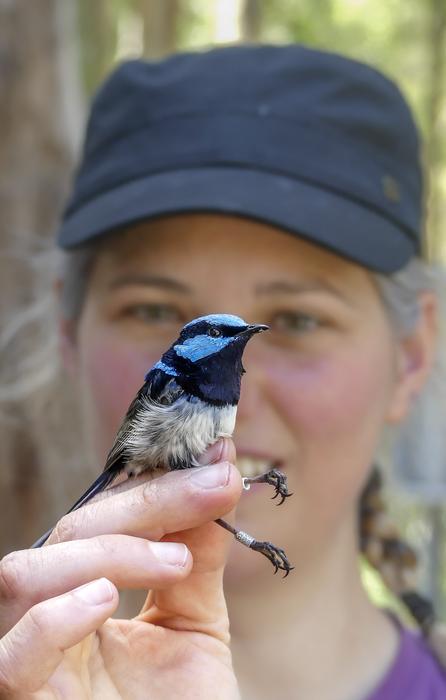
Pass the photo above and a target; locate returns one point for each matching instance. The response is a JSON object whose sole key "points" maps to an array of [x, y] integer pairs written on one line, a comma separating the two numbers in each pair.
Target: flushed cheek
{"points": [[324, 398], [335, 408]]}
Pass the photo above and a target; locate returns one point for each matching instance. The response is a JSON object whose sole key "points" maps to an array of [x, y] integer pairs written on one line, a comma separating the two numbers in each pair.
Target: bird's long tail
{"points": [[103, 480]]}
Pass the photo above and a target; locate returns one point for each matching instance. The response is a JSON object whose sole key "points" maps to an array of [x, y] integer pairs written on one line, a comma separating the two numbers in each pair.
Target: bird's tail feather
{"points": [[97, 486]]}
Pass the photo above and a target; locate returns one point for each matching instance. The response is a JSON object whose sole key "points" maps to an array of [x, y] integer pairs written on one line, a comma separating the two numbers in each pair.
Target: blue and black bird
{"points": [[187, 402]]}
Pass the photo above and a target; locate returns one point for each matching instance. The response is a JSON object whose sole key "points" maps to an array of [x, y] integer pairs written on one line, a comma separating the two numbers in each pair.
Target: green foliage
{"points": [[98, 23]]}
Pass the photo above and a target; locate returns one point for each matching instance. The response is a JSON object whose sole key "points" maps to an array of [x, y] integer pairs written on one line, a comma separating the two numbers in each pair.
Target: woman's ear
{"points": [[67, 335], [416, 353]]}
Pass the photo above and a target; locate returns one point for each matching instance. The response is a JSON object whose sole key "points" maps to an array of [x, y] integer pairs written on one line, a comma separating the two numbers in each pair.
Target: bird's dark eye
{"points": [[214, 332]]}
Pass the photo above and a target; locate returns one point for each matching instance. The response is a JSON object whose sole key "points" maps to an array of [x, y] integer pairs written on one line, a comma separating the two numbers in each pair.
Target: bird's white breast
{"points": [[180, 433]]}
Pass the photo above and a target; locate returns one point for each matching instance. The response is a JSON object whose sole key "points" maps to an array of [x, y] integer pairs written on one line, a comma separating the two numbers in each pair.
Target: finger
{"points": [[30, 576], [177, 501], [197, 602], [33, 649]]}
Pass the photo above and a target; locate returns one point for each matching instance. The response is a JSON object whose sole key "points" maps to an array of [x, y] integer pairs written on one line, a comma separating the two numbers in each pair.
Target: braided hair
{"points": [[381, 545], [380, 541]]}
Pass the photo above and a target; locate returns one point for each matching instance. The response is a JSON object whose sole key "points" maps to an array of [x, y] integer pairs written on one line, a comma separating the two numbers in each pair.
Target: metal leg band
{"points": [[244, 538]]}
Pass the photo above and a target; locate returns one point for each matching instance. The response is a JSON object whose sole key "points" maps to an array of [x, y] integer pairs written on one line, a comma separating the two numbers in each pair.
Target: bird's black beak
{"points": [[254, 328]]}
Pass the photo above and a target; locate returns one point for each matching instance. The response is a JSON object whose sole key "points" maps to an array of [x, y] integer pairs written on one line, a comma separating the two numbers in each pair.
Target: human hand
{"points": [[55, 602]]}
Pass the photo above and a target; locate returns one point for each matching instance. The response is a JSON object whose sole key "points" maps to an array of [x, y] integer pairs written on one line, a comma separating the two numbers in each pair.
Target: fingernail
{"points": [[173, 553], [211, 477], [95, 593]]}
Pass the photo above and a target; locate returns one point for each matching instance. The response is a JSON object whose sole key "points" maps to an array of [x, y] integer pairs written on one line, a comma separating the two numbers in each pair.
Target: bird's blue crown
{"points": [[218, 320]]}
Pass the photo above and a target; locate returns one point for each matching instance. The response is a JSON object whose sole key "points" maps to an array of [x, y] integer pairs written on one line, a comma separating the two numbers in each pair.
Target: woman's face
{"points": [[320, 384]]}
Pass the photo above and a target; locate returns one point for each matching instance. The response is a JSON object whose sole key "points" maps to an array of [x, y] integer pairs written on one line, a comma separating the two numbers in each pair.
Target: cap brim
{"points": [[321, 216]]}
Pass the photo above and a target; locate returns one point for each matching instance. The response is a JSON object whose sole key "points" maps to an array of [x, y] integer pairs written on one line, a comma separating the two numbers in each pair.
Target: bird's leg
{"points": [[276, 555], [275, 478]]}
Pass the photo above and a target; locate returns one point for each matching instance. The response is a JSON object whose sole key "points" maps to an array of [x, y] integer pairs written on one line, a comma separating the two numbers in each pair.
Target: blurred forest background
{"points": [[53, 54]]}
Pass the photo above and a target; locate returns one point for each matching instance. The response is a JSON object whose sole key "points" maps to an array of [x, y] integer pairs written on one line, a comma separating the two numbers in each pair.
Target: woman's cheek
{"points": [[331, 397], [335, 407]]}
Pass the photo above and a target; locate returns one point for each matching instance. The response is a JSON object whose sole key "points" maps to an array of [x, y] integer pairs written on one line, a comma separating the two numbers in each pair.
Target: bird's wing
{"points": [[117, 453], [160, 388], [115, 459]]}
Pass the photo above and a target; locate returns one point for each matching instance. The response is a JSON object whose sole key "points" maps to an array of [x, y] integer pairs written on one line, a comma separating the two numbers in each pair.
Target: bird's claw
{"points": [[278, 479], [273, 477], [276, 556]]}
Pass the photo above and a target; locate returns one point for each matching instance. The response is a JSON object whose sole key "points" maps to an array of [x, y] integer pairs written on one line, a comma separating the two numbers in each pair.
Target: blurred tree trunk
{"points": [[160, 19], [251, 20], [436, 123], [39, 129]]}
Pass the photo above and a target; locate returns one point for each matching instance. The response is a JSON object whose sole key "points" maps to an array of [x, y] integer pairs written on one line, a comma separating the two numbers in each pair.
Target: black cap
{"points": [[316, 144]]}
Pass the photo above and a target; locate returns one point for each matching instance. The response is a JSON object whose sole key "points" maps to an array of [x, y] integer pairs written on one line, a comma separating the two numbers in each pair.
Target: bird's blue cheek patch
{"points": [[200, 346]]}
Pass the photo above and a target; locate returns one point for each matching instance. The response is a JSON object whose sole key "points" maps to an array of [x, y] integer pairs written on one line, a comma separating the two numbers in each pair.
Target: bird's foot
{"points": [[276, 556], [273, 477]]}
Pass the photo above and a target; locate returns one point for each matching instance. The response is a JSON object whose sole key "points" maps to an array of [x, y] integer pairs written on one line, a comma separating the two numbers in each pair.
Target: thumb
{"points": [[197, 603]]}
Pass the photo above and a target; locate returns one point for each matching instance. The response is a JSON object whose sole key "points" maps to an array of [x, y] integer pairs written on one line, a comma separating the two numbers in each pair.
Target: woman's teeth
{"points": [[251, 466]]}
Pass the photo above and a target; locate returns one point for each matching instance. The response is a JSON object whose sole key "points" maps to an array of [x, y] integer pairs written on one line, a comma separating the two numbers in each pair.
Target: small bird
{"points": [[187, 402]]}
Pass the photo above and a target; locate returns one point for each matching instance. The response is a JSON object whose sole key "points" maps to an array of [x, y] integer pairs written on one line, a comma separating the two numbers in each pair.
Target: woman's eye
{"points": [[152, 313], [295, 322]]}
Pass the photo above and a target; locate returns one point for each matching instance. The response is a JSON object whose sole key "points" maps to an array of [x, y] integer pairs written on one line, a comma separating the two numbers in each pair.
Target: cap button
{"points": [[263, 110], [391, 188]]}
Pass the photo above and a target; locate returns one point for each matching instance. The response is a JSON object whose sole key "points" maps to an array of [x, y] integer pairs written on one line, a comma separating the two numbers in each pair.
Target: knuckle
{"points": [[37, 621], [64, 531], [153, 502], [150, 495], [12, 568]]}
